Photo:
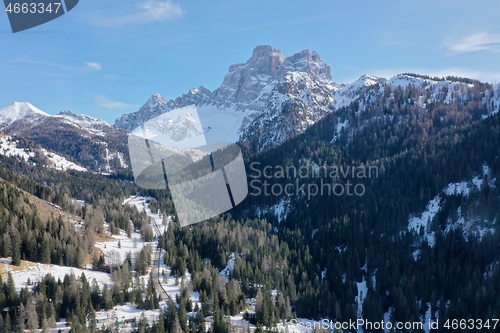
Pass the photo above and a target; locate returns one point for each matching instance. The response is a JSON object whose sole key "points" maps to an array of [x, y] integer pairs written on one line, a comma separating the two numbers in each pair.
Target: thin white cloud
{"points": [[89, 65], [144, 12], [482, 41], [24, 60], [93, 65], [110, 104]]}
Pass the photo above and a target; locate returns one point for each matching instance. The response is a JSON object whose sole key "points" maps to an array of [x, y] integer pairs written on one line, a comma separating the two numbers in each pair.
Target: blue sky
{"points": [[106, 57]]}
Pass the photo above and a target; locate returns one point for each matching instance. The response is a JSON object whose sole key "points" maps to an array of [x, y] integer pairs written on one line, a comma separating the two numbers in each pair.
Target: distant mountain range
{"points": [[86, 141], [261, 103], [270, 99]]}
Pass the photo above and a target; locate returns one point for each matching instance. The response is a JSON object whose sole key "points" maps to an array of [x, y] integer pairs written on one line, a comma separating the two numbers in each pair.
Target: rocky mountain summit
{"points": [[253, 96]]}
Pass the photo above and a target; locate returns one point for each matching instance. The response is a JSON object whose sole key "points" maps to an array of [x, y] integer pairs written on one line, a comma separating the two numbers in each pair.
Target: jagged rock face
{"points": [[155, 106], [255, 88], [307, 62], [295, 103], [244, 83], [249, 85], [195, 96]]}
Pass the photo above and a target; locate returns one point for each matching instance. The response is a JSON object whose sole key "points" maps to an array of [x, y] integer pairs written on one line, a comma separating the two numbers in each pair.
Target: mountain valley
{"points": [[420, 244]]}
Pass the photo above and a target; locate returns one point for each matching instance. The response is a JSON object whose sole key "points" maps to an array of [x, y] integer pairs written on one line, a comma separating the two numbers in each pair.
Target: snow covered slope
{"points": [[470, 221], [351, 92], [91, 142], [9, 147], [371, 99]]}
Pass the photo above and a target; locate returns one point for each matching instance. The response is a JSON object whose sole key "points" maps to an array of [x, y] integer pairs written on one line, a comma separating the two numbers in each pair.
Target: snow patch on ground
{"points": [[387, 318], [60, 163], [338, 130], [116, 251], [360, 298], [462, 188], [121, 159], [424, 220], [141, 203], [229, 267], [8, 147], [427, 318], [469, 226], [125, 315], [36, 271], [280, 210]]}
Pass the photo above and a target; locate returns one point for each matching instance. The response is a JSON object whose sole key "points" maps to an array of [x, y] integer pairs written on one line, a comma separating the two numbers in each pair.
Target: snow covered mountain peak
{"points": [[155, 100], [244, 82], [180, 128], [25, 107], [266, 85], [308, 62], [154, 106], [365, 80], [20, 111], [350, 92], [24, 114], [247, 86], [263, 52], [370, 80], [88, 141]]}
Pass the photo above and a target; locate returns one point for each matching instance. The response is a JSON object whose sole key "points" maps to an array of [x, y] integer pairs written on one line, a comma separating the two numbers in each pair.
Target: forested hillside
{"points": [[322, 251], [42, 222], [417, 237]]}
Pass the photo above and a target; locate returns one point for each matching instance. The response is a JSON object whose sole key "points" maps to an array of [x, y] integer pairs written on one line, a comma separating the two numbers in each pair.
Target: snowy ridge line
{"points": [[27, 112]]}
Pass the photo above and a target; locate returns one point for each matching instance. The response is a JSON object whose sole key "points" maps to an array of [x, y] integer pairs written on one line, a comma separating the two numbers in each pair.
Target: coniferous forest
{"points": [[340, 257]]}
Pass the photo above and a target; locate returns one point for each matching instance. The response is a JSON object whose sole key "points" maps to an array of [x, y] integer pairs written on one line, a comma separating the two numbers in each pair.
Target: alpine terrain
{"points": [[374, 202]]}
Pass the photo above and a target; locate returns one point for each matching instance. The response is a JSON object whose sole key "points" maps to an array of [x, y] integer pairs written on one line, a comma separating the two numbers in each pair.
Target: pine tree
{"points": [[220, 325], [12, 299], [16, 251], [31, 316], [2, 325], [21, 317], [7, 323], [176, 327], [182, 314]]}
